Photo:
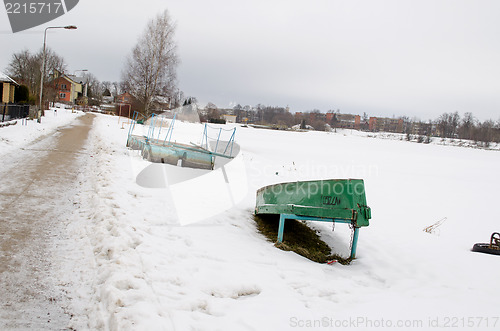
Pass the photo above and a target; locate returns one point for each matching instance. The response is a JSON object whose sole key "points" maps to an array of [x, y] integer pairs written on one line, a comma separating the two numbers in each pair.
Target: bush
{"points": [[217, 121], [22, 94]]}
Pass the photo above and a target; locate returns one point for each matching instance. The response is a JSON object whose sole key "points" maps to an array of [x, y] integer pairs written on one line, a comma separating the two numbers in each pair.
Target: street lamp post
{"points": [[68, 27]]}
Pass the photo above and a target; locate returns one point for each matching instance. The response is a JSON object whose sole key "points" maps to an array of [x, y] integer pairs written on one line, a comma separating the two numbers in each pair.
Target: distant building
{"points": [[69, 88], [107, 99], [386, 124], [347, 121], [311, 116], [125, 98], [161, 103], [125, 104], [421, 128], [228, 111], [230, 118]]}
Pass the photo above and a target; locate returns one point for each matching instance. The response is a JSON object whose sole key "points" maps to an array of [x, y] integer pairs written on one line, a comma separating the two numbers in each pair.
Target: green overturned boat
{"points": [[332, 200]]}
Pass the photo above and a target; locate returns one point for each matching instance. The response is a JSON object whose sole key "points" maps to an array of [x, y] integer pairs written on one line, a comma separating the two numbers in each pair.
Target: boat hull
{"points": [[342, 199], [485, 248]]}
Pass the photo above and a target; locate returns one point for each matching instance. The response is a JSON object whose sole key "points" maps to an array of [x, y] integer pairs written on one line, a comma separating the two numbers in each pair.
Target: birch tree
{"points": [[150, 70]]}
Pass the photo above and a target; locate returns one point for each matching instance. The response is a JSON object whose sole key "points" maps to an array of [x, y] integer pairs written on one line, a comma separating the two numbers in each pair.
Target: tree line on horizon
{"points": [[447, 125]]}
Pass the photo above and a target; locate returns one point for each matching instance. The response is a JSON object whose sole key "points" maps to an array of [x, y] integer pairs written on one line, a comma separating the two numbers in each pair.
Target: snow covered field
{"points": [[155, 271]]}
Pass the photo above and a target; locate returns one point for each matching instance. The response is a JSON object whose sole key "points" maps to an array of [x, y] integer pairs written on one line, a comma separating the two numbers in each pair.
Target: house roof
{"points": [[6, 79], [76, 79], [71, 78], [68, 78]]}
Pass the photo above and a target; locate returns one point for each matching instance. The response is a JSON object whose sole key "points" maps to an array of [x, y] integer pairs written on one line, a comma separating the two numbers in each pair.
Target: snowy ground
{"points": [[22, 133], [157, 271]]}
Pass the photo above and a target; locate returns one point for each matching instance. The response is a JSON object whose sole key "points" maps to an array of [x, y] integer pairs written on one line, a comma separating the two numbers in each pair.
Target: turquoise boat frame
{"points": [[166, 151]]}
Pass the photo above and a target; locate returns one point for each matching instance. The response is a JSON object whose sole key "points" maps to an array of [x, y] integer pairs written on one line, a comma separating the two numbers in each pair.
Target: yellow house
{"points": [[7, 88]]}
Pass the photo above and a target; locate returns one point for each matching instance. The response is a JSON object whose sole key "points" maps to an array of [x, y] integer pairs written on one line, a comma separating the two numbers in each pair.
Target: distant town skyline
{"points": [[390, 57]]}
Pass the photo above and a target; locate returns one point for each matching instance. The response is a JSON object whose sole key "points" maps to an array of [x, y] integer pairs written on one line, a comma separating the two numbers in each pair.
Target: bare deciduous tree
{"points": [[115, 91], [212, 111], [151, 69], [448, 124], [94, 89], [468, 124], [124, 86], [25, 68]]}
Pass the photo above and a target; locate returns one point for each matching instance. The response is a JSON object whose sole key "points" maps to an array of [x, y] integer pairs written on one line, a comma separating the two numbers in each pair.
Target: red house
{"points": [[69, 89]]}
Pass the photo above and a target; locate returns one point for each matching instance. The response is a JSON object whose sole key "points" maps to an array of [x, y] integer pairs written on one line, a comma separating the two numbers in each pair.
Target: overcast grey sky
{"points": [[392, 57]]}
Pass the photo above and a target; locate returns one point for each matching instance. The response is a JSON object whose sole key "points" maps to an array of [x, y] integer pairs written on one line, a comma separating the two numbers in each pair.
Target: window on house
{"points": [[63, 86], [62, 95]]}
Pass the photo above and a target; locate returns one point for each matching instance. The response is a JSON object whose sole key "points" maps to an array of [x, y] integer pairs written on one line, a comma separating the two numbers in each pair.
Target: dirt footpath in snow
{"points": [[37, 264]]}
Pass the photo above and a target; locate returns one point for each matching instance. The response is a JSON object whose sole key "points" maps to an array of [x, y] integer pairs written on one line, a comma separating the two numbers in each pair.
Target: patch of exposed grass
{"points": [[298, 238]]}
